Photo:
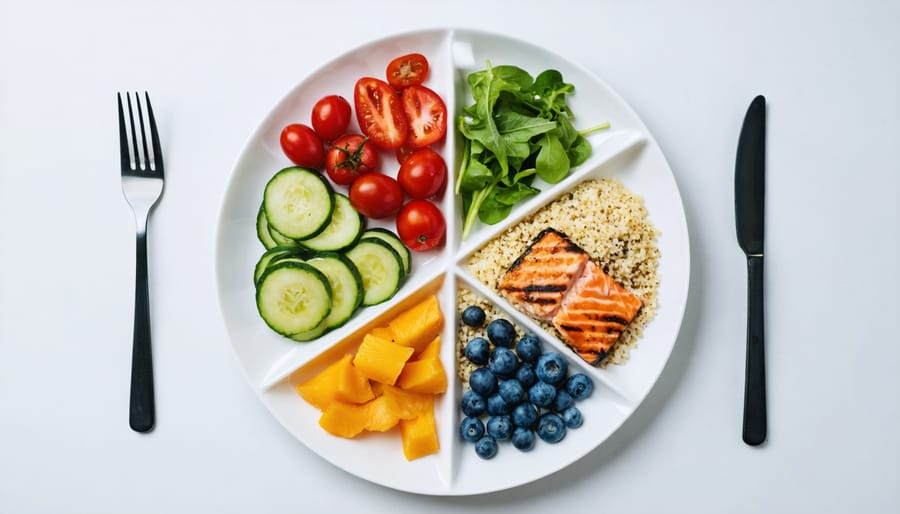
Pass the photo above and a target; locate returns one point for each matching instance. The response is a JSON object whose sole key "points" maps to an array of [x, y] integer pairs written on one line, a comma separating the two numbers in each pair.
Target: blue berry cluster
{"points": [[523, 392]]}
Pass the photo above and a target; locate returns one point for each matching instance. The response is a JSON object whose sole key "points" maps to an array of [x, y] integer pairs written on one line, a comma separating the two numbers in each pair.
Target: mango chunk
{"points": [[381, 416], [419, 325], [384, 333], [423, 376], [432, 349], [419, 436], [407, 404], [344, 419], [381, 360], [339, 381]]}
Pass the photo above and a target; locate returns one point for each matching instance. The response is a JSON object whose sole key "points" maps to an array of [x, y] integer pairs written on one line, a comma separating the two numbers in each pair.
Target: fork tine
{"points": [[154, 136], [147, 162], [123, 136], [137, 156]]}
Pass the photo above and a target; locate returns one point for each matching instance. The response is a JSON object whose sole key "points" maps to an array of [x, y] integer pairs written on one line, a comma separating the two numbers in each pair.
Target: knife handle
{"points": [[755, 421]]}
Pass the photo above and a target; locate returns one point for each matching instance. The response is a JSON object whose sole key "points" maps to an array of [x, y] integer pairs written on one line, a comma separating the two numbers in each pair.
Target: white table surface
{"points": [[214, 69]]}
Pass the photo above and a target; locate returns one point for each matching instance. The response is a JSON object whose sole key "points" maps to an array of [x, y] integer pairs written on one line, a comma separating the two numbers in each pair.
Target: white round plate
{"points": [[274, 365]]}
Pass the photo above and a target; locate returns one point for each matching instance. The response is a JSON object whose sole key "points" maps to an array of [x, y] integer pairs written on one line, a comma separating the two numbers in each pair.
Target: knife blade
{"points": [[749, 203]]}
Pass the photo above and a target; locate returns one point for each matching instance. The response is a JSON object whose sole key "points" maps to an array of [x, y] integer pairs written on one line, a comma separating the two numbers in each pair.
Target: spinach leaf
{"points": [[552, 161]]}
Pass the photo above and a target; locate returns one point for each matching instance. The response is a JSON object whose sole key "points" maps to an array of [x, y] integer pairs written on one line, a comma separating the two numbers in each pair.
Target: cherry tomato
{"points": [[379, 113], [421, 225], [376, 195], [423, 174], [302, 146], [426, 115], [407, 70], [403, 152], [330, 117], [349, 157]]}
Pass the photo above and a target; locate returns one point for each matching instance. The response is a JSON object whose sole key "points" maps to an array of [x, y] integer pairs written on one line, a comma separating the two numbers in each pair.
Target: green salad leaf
{"points": [[518, 128]]}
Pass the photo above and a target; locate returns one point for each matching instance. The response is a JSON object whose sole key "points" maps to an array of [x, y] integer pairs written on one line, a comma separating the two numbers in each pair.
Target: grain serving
{"points": [[607, 221]]}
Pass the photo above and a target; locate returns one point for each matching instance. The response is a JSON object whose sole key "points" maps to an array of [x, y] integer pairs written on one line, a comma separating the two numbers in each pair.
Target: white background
{"points": [[831, 76]]}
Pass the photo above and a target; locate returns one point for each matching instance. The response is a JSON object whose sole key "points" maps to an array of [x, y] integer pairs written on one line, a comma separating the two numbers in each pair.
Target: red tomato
{"points": [[330, 117], [407, 70], [403, 152], [302, 146], [349, 157], [376, 195], [423, 174], [426, 115], [421, 225], [379, 113]]}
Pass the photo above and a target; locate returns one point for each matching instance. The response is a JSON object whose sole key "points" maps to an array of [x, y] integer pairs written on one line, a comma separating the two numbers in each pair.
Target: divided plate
{"points": [[274, 365]]}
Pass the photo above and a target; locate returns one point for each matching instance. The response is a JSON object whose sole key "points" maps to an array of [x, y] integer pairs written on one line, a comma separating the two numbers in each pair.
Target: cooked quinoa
{"points": [[607, 221]]}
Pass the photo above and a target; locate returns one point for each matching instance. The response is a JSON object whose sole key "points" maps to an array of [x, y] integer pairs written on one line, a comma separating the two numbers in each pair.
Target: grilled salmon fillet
{"points": [[594, 314], [540, 278]]}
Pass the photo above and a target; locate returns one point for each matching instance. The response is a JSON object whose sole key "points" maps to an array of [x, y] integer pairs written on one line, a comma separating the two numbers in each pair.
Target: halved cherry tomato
{"points": [[423, 174], [379, 113], [376, 195], [426, 115], [302, 146], [330, 117], [349, 157], [421, 225], [407, 70]]}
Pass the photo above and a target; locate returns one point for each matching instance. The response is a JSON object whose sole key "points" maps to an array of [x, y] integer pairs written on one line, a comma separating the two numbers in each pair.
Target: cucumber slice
{"points": [[346, 286], [262, 230], [309, 335], [271, 255], [392, 239], [293, 297], [280, 238], [298, 202], [342, 231], [380, 267]]}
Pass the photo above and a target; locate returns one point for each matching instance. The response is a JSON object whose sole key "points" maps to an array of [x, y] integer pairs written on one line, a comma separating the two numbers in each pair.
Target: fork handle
{"points": [[142, 413]]}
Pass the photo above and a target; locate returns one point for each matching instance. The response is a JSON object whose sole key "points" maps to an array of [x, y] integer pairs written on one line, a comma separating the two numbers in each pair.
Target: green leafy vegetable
{"points": [[518, 128]]}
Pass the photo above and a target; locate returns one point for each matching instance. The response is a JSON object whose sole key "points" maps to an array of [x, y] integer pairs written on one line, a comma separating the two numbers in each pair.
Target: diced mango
{"points": [[377, 388], [339, 381], [384, 333], [344, 419], [381, 360], [419, 436], [419, 325], [433, 349], [407, 404], [423, 376], [381, 416]]}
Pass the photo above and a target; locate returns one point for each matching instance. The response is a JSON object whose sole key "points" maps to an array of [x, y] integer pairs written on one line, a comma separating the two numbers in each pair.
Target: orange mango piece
{"points": [[418, 325], [419, 436], [432, 349], [381, 417], [425, 376], [339, 381], [407, 404], [321, 390], [381, 360], [344, 419], [383, 333]]}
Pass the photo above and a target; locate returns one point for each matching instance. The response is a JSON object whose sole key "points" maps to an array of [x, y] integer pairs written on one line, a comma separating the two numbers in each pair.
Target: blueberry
{"points": [[551, 368], [579, 386], [503, 362], [483, 382], [478, 350], [512, 391], [525, 375], [563, 400], [499, 427], [551, 428], [497, 406], [473, 316], [523, 439], [524, 415], [486, 447], [529, 348], [573, 418], [501, 332], [471, 429], [542, 394], [473, 404]]}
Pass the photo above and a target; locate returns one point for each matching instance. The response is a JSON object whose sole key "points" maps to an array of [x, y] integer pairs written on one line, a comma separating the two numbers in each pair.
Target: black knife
{"points": [[749, 206]]}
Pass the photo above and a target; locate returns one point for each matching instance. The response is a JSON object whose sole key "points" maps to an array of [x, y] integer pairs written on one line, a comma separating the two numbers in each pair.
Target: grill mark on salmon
{"points": [[539, 279]]}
